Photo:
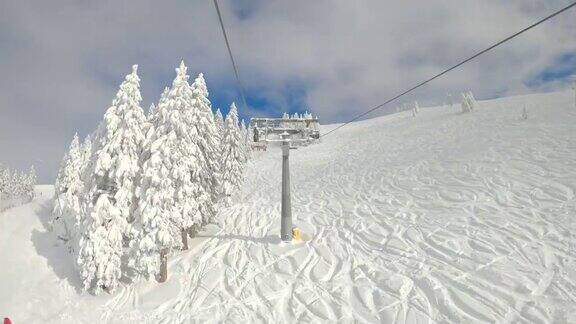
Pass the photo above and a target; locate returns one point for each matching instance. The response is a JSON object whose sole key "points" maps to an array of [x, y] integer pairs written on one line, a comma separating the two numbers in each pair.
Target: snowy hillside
{"points": [[443, 217]]}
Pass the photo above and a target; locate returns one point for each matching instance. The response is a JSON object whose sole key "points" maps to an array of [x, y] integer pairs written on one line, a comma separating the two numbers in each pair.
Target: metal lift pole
{"points": [[286, 221]]}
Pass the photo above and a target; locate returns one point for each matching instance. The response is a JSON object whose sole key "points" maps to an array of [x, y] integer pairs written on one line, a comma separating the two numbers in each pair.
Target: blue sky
{"points": [[562, 69], [61, 61]]}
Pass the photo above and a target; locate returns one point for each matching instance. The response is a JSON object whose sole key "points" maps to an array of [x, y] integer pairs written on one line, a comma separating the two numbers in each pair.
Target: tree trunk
{"points": [[184, 235], [163, 275], [192, 231]]}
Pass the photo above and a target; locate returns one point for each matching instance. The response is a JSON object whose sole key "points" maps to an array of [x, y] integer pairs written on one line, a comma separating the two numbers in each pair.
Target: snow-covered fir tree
{"points": [[18, 178], [59, 184], [100, 254], [68, 191], [219, 120], [151, 109], [165, 94], [30, 183], [232, 164], [202, 117], [86, 151], [66, 214], [110, 184], [68, 174], [285, 116], [170, 187]]}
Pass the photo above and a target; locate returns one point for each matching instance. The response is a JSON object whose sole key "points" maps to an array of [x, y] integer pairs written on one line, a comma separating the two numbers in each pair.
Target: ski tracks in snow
{"points": [[446, 217]]}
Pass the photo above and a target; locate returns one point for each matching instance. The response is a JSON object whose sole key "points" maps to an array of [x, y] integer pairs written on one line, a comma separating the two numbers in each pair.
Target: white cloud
{"points": [[62, 60]]}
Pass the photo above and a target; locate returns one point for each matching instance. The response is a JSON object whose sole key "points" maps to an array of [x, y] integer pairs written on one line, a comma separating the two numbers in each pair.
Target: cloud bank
{"points": [[62, 60]]}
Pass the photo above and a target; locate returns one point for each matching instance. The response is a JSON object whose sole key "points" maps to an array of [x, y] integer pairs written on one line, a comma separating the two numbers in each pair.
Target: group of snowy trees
{"points": [[141, 184], [296, 116], [16, 188], [468, 104], [305, 115], [414, 108]]}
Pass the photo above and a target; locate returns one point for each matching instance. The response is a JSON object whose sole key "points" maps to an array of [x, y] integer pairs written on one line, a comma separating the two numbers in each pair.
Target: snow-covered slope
{"points": [[446, 217]]}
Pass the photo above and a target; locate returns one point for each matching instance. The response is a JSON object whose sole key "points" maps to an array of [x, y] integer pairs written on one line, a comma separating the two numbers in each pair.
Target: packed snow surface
{"points": [[442, 217]]}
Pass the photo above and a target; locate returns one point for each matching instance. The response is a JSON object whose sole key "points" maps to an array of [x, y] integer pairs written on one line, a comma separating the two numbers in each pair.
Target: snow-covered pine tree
{"points": [[202, 117], [164, 94], [285, 116], [219, 120], [99, 259], [30, 183], [69, 187], [151, 109], [59, 185], [66, 213], [170, 183], [232, 157], [86, 152], [68, 173], [110, 184], [19, 180]]}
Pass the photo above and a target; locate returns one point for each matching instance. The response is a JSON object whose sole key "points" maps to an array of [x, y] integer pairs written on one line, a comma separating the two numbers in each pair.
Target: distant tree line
{"points": [[16, 188]]}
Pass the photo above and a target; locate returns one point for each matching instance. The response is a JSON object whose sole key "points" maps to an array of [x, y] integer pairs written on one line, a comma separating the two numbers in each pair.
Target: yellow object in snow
{"points": [[296, 234]]}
